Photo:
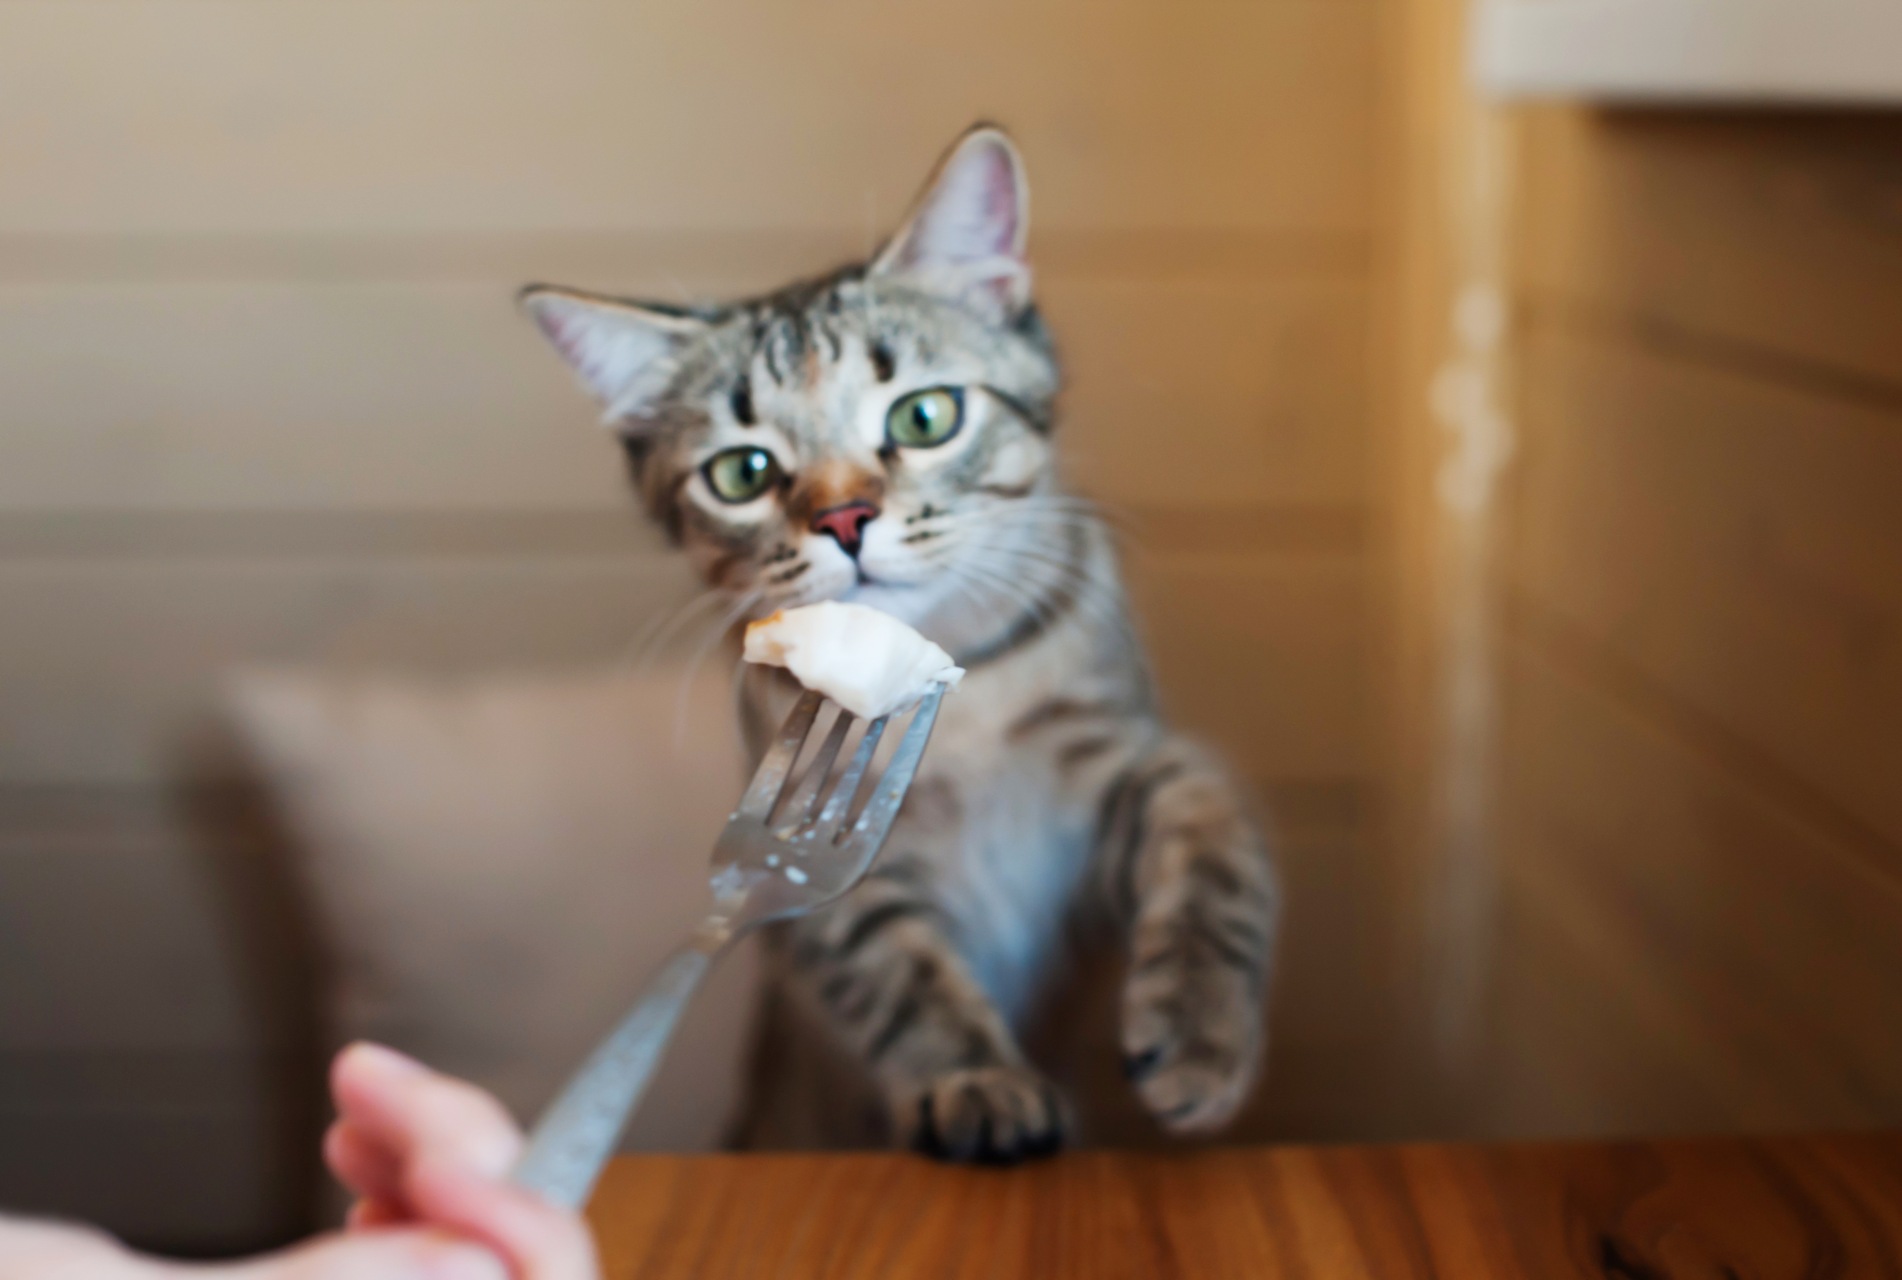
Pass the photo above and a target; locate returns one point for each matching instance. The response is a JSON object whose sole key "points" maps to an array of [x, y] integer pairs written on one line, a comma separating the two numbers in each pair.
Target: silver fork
{"points": [[787, 850]]}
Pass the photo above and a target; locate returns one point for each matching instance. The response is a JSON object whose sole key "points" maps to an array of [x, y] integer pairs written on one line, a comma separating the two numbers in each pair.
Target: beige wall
{"points": [[1701, 843], [262, 397]]}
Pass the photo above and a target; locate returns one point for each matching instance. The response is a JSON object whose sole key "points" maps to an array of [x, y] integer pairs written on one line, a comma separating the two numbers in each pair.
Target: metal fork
{"points": [[787, 850]]}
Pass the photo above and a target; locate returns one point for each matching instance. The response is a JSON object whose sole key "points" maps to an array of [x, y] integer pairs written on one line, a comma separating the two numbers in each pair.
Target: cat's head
{"points": [[880, 434]]}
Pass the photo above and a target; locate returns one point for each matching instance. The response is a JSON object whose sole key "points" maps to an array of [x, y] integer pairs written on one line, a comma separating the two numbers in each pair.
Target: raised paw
{"points": [[1191, 1040], [988, 1115]]}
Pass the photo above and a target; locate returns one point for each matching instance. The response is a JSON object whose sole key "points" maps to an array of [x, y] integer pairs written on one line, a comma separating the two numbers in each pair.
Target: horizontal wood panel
{"points": [[148, 536], [1263, 656], [376, 114], [179, 1151], [671, 263], [118, 933], [151, 536], [1214, 392], [255, 396], [1679, 953], [114, 665], [1336, 1067], [114, 668], [1741, 544], [1781, 234], [435, 393]]}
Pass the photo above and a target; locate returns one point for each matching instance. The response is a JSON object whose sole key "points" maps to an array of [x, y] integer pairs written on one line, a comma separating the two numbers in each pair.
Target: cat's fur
{"points": [[1053, 792]]}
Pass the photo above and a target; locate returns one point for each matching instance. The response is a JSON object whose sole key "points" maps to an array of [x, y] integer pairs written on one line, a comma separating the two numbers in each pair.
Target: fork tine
{"points": [[770, 779], [847, 790], [803, 799], [889, 793]]}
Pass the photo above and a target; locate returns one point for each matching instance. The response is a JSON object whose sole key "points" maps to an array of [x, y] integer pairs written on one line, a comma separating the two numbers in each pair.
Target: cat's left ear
{"points": [[966, 236], [625, 353]]}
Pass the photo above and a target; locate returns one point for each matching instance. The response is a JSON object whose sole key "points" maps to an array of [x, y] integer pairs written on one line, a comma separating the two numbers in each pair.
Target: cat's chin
{"points": [[908, 603]]}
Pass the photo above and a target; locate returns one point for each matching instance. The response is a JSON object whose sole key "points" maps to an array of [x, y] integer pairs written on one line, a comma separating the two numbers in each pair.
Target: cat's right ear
{"points": [[965, 238], [625, 354]]}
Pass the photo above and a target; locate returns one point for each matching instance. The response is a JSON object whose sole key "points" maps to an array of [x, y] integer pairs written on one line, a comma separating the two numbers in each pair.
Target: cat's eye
{"points": [[741, 475], [925, 419]]}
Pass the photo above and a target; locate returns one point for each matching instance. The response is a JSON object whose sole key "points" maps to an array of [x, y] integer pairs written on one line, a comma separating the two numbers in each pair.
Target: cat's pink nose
{"points": [[846, 523]]}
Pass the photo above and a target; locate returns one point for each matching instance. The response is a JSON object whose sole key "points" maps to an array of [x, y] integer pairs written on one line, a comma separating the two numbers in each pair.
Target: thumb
{"points": [[541, 1241], [410, 1254]]}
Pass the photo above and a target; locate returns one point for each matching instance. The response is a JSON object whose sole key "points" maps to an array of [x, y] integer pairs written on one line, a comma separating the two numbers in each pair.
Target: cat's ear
{"points": [[625, 353], [966, 236]]}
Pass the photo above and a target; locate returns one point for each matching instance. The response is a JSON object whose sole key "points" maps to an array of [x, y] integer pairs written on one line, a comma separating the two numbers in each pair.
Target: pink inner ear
{"points": [[549, 322], [569, 332], [972, 214], [567, 340], [998, 199]]}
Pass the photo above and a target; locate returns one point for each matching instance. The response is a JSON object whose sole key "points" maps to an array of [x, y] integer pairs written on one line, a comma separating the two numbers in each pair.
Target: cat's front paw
{"points": [[988, 1115], [1192, 1039]]}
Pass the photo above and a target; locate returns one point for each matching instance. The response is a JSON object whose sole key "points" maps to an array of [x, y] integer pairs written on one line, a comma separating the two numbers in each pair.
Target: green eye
{"points": [[741, 475], [925, 419]]}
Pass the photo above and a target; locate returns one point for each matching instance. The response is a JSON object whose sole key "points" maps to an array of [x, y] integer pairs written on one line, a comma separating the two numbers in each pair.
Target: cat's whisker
{"points": [[1041, 524], [965, 581], [1036, 527], [1095, 609], [685, 691], [1043, 609], [654, 637], [1106, 607], [1064, 502], [737, 693], [1030, 513]]}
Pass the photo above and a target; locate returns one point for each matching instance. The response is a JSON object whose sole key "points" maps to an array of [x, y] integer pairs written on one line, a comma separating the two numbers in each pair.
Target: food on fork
{"points": [[868, 662]]}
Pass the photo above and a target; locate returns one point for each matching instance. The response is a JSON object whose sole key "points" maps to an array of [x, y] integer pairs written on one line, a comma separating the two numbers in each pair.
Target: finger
{"points": [[367, 1167], [410, 1254], [369, 1215], [541, 1241], [49, 1249], [416, 1112]]}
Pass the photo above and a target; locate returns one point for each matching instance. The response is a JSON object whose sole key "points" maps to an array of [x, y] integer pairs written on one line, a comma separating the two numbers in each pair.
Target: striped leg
{"points": [[1192, 877], [883, 966]]}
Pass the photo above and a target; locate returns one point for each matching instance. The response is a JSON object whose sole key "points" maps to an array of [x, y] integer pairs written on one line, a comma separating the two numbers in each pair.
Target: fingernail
{"points": [[459, 1260], [382, 1058]]}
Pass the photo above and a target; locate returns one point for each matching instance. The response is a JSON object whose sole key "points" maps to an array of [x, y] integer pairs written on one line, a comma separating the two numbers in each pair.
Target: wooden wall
{"points": [[1700, 840], [263, 397]]}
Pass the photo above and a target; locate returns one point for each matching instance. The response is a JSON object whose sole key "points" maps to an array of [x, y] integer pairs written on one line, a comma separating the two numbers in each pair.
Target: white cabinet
{"points": [[1718, 51]]}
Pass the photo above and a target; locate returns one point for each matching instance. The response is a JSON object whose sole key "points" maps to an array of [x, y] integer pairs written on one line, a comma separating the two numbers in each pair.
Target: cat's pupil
{"points": [[740, 475]]}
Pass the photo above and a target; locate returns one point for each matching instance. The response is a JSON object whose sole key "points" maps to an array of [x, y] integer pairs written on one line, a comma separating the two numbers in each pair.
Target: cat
{"points": [[885, 434]]}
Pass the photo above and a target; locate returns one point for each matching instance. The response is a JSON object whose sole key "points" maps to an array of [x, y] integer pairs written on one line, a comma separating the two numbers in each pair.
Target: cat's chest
{"points": [[1006, 846], [991, 784], [1007, 851]]}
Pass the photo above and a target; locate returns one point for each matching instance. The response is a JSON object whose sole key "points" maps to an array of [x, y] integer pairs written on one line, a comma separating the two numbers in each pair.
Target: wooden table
{"points": [[1713, 1210]]}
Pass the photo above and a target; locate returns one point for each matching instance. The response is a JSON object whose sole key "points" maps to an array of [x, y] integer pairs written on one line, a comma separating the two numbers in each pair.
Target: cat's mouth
{"points": [[880, 593], [862, 580]]}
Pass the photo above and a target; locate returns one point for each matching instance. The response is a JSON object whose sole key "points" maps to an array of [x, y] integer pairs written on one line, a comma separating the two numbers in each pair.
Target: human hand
{"points": [[421, 1149], [428, 1158]]}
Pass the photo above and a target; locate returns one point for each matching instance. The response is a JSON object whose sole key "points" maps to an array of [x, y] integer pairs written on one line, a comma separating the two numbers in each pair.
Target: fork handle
{"points": [[574, 1137]]}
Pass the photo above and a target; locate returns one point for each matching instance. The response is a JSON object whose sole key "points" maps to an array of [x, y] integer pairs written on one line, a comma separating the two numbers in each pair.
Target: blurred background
{"points": [[1512, 489]]}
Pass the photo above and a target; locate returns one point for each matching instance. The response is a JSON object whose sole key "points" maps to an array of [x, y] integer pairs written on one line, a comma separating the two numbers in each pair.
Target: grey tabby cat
{"points": [[884, 434]]}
